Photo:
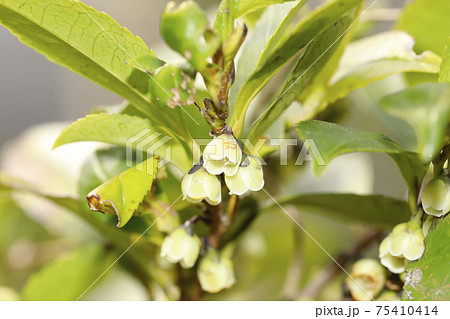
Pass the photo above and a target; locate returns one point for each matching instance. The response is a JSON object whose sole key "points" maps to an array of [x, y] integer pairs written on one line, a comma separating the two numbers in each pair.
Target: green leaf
{"points": [[426, 107], [146, 63], [225, 17], [135, 259], [315, 58], [428, 278], [124, 130], [332, 140], [16, 227], [68, 277], [300, 36], [230, 10], [89, 43], [372, 59], [246, 6], [255, 43], [122, 194], [444, 74], [428, 22], [173, 86], [372, 209], [101, 166], [16, 224], [281, 32], [109, 128]]}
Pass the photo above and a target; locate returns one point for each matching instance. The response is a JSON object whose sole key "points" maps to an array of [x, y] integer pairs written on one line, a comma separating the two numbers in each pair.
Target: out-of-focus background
{"points": [[35, 91]]}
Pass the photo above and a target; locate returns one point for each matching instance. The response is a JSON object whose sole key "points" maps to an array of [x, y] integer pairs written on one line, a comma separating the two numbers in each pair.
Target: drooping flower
{"points": [[215, 272], [404, 244], [366, 280], [436, 197], [408, 240], [198, 185], [249, 177], [397, 265], [180, 246], [222, 155]]}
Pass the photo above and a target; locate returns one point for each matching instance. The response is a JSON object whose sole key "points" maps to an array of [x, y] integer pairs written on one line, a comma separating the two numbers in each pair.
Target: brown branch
{"points": [[217, 226], [325, 276]]}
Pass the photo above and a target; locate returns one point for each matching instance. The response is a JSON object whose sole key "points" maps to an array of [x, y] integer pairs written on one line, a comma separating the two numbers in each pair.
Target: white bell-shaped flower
{"points": [[397, 265], [249, 177], [366, 280], [180, 246], [408, 240], [436, 197], [222, 155], [404, 244], [198, 185], [215, 272]]}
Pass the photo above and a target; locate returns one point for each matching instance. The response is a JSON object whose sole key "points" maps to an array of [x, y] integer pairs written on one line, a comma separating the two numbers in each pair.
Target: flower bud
{"points": [[248, 177], [198, 185], [215, 272], [222, 155], [436, 197], [180, 246], [367, 279], [185, 29]]}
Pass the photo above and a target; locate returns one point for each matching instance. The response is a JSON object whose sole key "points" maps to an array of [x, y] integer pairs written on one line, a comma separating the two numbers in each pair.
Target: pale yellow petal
{"points": [[416, 246], [253, 176], [235, 184], [385, 246], [213, 189], [215, 150], [191, 251], [185, 184], [397, 265], [214, 167], [436, 197], [231, 169]]}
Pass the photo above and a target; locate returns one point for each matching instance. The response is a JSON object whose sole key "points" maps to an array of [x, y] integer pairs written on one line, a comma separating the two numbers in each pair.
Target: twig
{"points": [[217, 227], [232, 208], [324, 277]]}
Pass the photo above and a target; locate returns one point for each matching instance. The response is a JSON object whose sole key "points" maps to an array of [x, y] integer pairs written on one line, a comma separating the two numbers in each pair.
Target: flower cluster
{"points": [[223, 155], [215, 270], [406, 241], [404, 244]]}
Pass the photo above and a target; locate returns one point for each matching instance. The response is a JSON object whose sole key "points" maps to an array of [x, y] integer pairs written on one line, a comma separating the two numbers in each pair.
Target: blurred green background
{"points": [[34, 232]]}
